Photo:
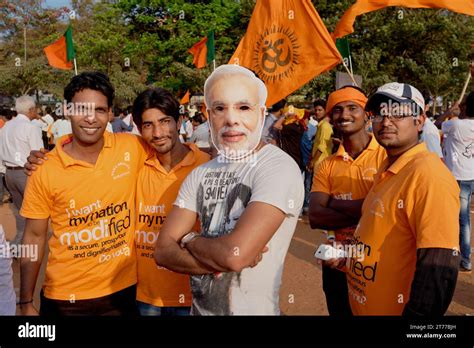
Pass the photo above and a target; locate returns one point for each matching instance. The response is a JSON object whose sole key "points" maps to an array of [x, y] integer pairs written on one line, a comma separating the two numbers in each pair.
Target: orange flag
{"points": [[185, 98], [346, 23], [57, 54], [199, 51], [286, 45]]}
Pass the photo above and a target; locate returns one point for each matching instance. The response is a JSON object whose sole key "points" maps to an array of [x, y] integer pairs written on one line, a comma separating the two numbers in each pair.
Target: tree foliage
{"points": [[145, 42]]}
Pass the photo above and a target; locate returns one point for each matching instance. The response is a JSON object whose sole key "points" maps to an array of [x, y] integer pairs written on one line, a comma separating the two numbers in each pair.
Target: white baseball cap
{"points": [[401, 92]]}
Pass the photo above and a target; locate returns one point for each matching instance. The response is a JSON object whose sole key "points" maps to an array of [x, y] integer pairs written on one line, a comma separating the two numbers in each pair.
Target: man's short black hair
{"points": [[320, 102], [198, 117], [117, 111], [155, 98], [7, 113], [94, 80], [279, 105], [470, 105], [426, 96], [48, 110]]}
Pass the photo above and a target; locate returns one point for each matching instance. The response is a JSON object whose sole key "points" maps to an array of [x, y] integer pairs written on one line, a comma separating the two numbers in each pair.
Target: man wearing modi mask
{"points": [[247, 200]]}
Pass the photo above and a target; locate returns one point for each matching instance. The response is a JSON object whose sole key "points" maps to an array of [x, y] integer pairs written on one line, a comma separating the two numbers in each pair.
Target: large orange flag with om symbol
{"points": [[286, 45]]}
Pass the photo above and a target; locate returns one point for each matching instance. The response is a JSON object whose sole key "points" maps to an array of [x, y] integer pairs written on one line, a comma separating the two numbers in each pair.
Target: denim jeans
{"points": [[308, 181], [147, 309], [16, 184], [2, 187], [467, 187]]}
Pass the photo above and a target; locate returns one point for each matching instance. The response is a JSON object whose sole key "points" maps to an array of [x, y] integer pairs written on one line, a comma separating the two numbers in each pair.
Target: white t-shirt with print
{"points": [[219, 191], [459, 147]]}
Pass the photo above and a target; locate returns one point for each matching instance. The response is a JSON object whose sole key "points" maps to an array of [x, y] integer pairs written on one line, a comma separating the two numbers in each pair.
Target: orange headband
{"points": [[343, 95]]}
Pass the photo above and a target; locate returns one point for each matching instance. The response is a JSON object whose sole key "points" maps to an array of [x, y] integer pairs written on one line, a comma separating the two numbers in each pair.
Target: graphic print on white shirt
{"points": [[219, 192]]}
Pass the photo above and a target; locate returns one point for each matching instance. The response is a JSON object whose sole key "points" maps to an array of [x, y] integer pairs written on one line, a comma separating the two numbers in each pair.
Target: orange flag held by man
{"points": [[286, 45], [346, 23]]}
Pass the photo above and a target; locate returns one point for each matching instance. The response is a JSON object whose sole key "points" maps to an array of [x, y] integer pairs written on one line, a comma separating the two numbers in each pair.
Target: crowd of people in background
{"points": [[377, 171]]}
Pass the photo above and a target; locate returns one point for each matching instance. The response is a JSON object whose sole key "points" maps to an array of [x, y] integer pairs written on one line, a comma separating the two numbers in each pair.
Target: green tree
{"points": [[424, 47], [21, 71], [161, 33], [146, 42]]}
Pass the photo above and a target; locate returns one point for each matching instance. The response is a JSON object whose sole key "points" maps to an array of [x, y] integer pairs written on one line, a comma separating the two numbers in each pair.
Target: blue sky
{"points": [[57, 3]]}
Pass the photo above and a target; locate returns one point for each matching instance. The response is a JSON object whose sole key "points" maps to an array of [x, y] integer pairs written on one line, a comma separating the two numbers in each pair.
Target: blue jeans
{"points": [[2, 187], [146, 309], [467, 187], [308, 181]]}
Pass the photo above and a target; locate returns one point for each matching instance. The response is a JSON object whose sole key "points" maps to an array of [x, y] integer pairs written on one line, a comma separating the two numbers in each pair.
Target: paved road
{"points": [[301, 292]]}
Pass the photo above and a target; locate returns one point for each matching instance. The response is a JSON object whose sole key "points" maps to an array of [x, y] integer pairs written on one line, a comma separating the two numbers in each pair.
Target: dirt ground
{"points": [[301, 292]]}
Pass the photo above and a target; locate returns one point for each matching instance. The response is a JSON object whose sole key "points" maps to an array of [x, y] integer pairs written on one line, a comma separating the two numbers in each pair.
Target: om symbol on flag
{"points": [[276, 54]]}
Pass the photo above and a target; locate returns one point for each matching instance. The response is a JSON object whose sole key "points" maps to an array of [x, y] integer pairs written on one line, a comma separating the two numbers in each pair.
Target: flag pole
{"points": [[75, 66], [24, 41], [214, 63], [350, 74], [465, 87]]}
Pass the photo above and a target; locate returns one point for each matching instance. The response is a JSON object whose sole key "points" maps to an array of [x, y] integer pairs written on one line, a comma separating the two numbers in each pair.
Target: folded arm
{"points": [[244, 245], [327, 217]]}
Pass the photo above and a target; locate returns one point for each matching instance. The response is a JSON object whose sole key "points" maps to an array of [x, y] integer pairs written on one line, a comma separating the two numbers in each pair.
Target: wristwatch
{"points": [[188, 238]]}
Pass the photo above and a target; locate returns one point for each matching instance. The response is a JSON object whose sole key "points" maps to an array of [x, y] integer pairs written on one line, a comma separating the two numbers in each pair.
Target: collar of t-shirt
{"points": [[404, 159], [188, 160], [323, 122], [22, 117], [341, 151], [68, 160]]}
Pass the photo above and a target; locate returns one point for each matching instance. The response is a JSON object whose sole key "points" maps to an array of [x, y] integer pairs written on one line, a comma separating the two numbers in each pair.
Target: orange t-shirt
{"points": [[2, 123], [342, 177], [413, 204], [157, 190], [91, 250]]}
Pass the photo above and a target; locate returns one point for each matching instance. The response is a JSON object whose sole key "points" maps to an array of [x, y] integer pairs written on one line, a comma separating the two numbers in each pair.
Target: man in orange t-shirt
{"points": [[341, 183], [87, 190], [156, 113], [409, 232]]}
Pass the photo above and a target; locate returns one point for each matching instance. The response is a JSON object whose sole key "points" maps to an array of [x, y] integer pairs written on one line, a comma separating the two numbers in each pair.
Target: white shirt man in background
{"points": [[60, 127], [17, 138], [48, 119], [129, 121], [431, 135], [201, 135], [459, 157], [186, 130]]}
